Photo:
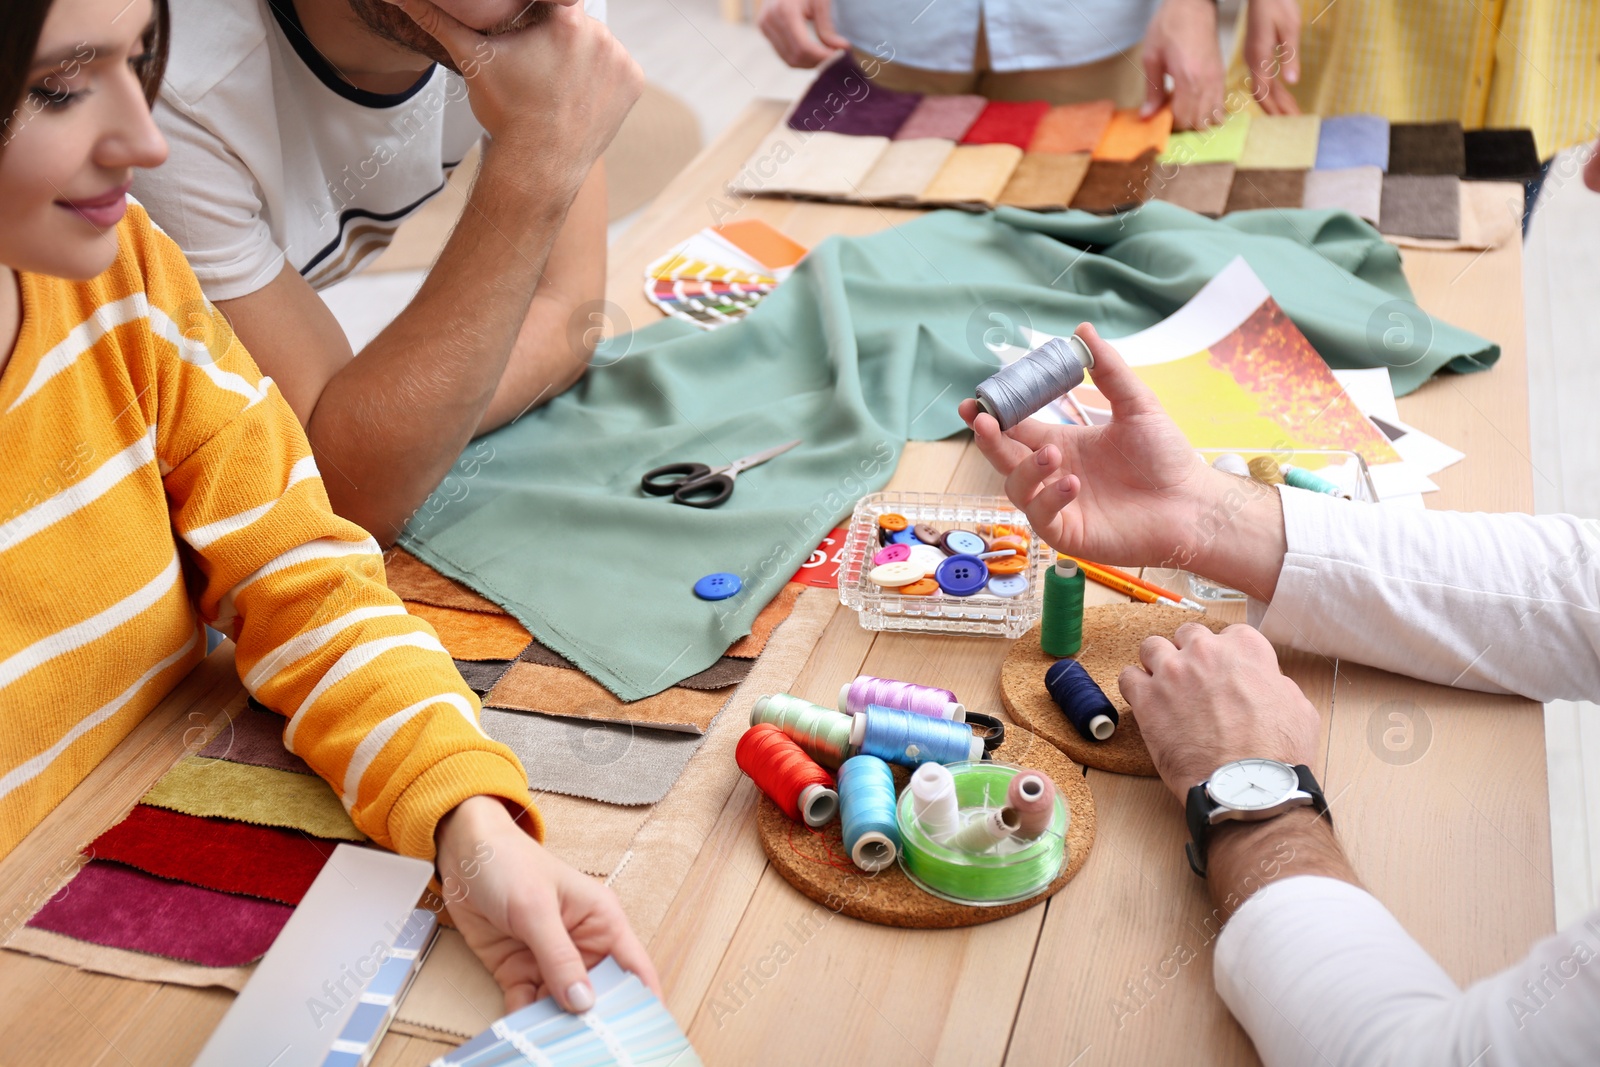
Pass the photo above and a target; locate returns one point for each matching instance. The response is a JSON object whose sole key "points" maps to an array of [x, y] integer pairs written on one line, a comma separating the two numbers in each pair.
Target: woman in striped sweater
{"points": [[154, 480]]}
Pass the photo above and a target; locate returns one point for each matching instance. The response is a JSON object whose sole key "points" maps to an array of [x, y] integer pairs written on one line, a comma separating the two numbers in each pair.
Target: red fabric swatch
{"points": [[118, 907], [1007, 122], [231, 857]]}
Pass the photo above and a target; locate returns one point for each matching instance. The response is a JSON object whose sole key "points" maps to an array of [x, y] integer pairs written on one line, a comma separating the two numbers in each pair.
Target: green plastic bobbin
{"points": [[1061, 628]]}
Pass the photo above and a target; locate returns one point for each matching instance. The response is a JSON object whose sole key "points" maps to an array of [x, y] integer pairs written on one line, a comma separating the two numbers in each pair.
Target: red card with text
{"points": [[821, 569]]}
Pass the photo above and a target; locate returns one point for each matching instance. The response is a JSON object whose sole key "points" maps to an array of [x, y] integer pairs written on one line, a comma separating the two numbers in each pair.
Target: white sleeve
{"points": [[1498, 603], [1318, 972]]}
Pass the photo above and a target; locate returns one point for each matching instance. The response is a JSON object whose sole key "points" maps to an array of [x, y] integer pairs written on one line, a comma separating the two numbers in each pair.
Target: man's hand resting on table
{"points": [[1133, 492], [537, 924]]}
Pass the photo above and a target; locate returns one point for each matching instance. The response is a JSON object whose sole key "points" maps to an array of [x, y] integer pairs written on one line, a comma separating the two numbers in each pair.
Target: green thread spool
{"points": [[1015, 870], [1304, 479], [1061, 625], [822, 732]]}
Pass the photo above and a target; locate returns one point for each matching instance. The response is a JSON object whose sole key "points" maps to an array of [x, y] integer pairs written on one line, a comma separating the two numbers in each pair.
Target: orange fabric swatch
{"points": [[1128, 136], [473, 635], [1072, 127], [411, 579], [554, 691]]}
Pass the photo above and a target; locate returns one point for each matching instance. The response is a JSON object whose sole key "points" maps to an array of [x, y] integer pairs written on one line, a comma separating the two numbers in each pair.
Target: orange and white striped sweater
{"points": [[152, 479]]}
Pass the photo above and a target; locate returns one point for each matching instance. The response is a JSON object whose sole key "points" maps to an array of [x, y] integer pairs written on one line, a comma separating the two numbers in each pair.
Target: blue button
{"points": [[1008, 584], [964, 543], [962, 575], [718, 586], [903, 537]]}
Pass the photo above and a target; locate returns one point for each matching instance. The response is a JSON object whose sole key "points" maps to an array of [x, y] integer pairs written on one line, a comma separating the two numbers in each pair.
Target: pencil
{"points": [[1117, 572], [1125, 585]]}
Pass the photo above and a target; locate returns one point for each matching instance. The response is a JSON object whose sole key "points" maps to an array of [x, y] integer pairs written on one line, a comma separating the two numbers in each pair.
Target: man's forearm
{"points": [[1245, 857]]}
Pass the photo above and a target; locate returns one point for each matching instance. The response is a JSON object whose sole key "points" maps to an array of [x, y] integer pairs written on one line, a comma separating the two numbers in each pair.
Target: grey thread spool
{"points": [[1015, 392]]}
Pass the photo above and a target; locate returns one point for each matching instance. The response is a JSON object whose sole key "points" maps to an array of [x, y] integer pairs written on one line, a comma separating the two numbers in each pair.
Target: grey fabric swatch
{"points": [[1421, 205], [615, 764], [480, 675]]}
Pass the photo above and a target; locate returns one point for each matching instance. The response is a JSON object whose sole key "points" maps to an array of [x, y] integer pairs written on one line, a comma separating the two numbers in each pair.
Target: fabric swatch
{"points": [[1281, 142], [599, 760], [1421, 205], [230, 857], [139, 966], [413, 580], [835, 164], [473, 635], [1358, 190], [905, 169], [725, 672], [1128, 137], [1200, 187], [1258, 190], [1109, 186], [1501, 156], [947, 118], [255, 736], [261, 795], [480, 675], [109, 904], [573, 694], [843, 100], [1427, 148], [1223, 143], [772, 163], [1491, 215], [769, 619], [1353, 141], [974, 175], [1072, 128], [1045, 181], [1011, 122], [591, 835]]}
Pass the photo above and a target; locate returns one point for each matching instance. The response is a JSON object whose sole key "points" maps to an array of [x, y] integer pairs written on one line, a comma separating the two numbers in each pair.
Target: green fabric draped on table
{"points": [[872, 341]]}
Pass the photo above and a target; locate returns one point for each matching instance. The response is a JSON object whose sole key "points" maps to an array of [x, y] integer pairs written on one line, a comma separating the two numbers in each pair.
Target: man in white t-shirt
{"points": [[303, 132]]}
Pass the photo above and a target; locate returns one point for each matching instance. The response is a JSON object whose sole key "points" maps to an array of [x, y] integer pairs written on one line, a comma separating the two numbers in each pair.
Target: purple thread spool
{"points": [[855, 697]]}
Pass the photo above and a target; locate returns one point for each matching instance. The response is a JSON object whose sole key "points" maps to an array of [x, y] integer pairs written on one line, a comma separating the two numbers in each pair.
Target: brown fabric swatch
{"points": [[973, 176], [1045, 181], [1112, 186], [473, 635], [1200, 187], [255, 736], [411, 579], [1421, 205], [572, 694], [1491, 215], [1069, 128], [721, 674], [481, 675], [905, 169], [769, 618], [1257, 190], [221, 790], [1427, 148]]}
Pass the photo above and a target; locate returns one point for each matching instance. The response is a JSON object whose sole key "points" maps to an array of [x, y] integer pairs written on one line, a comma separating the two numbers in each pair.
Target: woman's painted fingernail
{"points": [[580, 996]]}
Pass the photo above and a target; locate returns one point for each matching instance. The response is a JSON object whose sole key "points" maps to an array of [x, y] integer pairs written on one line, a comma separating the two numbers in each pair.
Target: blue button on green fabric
{"points": [[719, 586], [962, 575]]}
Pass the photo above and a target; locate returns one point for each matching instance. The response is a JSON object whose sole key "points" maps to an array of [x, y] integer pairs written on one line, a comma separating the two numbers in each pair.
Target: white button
{"points": [[894, 575], [928, 557]]}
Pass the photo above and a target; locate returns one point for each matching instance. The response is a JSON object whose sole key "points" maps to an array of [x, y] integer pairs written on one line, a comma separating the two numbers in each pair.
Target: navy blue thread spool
{"points": [[911, 740], [1086, 706]]}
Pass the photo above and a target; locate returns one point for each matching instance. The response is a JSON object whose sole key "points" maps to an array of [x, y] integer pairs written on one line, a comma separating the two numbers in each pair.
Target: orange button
{"points": [[921, 587], [892, 522], [1012, 540], [1008, 564]]}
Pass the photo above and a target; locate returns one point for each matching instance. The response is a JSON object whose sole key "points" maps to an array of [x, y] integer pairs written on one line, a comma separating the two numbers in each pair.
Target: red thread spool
{"points": [[784, 772]]}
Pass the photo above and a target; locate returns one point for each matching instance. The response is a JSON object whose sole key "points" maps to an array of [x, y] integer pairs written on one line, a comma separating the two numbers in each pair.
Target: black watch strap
{"points": [[1198, 808]]}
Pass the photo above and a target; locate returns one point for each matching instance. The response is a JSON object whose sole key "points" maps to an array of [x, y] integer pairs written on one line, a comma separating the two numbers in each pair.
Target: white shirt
{"points": [[275, 157], [943, 35], [1316, 970]]}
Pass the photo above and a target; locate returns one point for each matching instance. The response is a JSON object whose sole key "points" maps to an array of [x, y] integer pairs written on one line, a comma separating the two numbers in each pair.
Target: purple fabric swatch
{"points": [[118, 907], [1353, 141], [843, 100], [256, 738], [945, 117]]}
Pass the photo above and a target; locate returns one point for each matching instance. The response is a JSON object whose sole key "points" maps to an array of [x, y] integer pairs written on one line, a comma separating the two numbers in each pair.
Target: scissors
{"points": [[688, 483]]}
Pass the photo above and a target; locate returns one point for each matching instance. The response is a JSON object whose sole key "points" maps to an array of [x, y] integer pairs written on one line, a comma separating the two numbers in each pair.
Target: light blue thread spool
{"points": [[910, 740], [866, 812], [1301, 478]]}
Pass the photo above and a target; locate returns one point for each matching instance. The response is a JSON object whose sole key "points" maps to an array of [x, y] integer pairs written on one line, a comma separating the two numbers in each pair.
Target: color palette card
{"points": [[627, 1025], [721, 273]]}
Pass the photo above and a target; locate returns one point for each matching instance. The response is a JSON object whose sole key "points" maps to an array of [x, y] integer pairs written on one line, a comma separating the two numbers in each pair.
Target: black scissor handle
{"points": [[667, 480], [693, 492]]}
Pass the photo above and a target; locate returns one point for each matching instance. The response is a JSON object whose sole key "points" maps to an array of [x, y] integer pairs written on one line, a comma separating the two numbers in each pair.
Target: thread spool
{"points": [[854, 698], [933, 801], [985, 830], [1086, 706], [1301, 478], [1265, 470], [1061, 622], [823, 733], [1232, 463], [1033, 797], [866, 812], [1017, 391], [785, 773], [911, 740]]}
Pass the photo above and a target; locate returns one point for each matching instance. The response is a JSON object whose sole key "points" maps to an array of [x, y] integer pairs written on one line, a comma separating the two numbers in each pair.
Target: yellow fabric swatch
{"points": [[218, 789], [1223, 143], [1046, 181], [1281, 142], [974, 174]]}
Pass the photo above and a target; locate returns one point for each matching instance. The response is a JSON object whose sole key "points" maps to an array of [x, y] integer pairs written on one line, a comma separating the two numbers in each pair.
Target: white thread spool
{"points": [[933, 801], [986, 831], [1232, 463]]}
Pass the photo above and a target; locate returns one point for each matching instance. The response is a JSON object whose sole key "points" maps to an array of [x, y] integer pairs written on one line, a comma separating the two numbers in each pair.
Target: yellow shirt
{"points": [[154, 479]]}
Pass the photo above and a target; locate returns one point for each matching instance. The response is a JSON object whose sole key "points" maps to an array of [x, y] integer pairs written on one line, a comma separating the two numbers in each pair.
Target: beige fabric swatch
{"points": [[905, 169], [777, 160], [473, 635], [768, 619], [1281, 142], [1491, 215], [591, 835], [453, 991], [122, 963], [1199, 187], [974, 176], [1358, 190], [837, 164], [411, 579], [572, 694], [1046, 181], [219, 789]]}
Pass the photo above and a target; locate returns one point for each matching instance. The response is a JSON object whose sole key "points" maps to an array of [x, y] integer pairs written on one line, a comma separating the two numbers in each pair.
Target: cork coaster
{"points": [[815, 861], [1112, 634]]}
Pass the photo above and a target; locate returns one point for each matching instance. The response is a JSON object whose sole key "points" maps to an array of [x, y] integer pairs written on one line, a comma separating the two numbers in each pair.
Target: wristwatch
{"points": [[1249, 790]]}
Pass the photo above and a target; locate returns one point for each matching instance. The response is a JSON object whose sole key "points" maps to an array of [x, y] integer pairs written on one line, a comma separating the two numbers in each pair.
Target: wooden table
{"points": [[1452, 834]]}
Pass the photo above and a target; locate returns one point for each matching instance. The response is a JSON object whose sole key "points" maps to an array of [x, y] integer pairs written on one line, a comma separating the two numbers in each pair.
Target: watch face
{"points": [[1252, 784]]}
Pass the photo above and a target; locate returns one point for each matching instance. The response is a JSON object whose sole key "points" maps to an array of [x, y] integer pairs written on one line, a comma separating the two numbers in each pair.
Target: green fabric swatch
{"points": [[1219, 144], [872, 341], [220, 789]]}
